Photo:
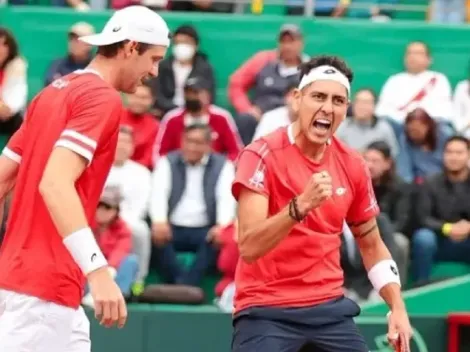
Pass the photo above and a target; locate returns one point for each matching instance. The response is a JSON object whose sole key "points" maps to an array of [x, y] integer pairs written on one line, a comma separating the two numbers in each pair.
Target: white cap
{"points": [[136, 23]]}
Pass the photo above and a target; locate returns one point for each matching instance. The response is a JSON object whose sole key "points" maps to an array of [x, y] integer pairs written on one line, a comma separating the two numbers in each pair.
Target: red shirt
{"points": [[225, 137], [145, 129], [115, 242], [304, 269], [80, 112]]}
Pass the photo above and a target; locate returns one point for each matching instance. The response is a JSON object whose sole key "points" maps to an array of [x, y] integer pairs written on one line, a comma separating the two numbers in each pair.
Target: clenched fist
{"points": [[317, 190]]}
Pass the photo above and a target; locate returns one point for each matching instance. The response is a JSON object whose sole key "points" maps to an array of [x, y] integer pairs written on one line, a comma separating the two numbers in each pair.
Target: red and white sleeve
{"points": [[14, 149], [92, 113]]}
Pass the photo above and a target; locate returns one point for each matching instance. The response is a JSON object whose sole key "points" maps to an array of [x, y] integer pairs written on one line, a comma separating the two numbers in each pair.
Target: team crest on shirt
{"points": [[258, 179]]}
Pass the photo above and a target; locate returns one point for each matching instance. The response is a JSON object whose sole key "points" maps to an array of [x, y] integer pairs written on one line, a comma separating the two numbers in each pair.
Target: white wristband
{"points": [[384, 273], [85, 251]]}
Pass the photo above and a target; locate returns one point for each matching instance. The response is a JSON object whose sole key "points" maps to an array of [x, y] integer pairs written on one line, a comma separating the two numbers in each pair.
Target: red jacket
{"points": [[145, 129], [244, 78], [225, 137], [115, 242]]}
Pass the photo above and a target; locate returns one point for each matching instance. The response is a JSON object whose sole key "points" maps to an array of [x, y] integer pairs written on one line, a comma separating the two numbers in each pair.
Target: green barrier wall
{"points": [[196, 329], [374, 50]]}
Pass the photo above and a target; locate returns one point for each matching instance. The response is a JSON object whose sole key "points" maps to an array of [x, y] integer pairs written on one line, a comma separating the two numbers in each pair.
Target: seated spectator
{"points": [[267, 74], [144, 125], [323, 8], [133, 182], [421, 146], [13, 85], [202, 6], [279, 117], [186, 61], [371, 9], [364, 127], [448, 11], [191, 202], [418, 87], [114, 239], [198, 109], [78, 56], [444, 213], [228, 257], [462, 106]]}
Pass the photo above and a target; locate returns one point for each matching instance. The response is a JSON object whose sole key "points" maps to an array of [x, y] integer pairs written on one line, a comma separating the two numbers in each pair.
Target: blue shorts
{"points": [[327, 327]]}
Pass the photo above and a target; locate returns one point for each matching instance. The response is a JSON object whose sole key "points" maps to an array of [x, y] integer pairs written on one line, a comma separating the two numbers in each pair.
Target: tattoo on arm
{"points": [[366, 232]]}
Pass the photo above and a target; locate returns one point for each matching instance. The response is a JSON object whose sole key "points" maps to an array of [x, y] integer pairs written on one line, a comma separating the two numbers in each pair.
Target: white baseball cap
{"points": [[136, 23]]}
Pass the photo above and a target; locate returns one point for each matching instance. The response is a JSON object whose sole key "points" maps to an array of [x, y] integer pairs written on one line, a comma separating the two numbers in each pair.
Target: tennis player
{"points": [[295, 188], [59, 160]]}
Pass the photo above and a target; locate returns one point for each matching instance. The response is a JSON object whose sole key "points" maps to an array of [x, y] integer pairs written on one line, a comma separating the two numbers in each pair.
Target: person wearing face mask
{"points": [[198, 108], [185, 62]]}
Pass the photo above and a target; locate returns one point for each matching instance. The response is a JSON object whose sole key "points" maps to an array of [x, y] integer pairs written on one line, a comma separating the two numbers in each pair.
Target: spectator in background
{"points": [[144, 125], [198, 109], [444, 213], [133, 181], [323, 8], [418, 87], [190, 202], [371, 9], [364, 127], [421, 146], [462, 106], [448, 11], [267, 74], [78, 56], [279, 117], [13, 85], [202, 6], [185, 62], [114, 239]]}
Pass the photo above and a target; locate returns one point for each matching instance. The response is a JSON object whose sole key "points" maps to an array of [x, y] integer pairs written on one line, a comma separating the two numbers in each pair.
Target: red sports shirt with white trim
{"points": [[80, 112], [304, 269]]}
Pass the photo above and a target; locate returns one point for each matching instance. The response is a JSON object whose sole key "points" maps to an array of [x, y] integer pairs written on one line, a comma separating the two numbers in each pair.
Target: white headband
{"points": [[325, 72]]}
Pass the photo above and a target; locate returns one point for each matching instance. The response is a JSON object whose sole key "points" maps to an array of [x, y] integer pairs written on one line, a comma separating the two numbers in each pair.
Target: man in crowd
{"points": [[198, 109], [443, 213], [190, 203]]}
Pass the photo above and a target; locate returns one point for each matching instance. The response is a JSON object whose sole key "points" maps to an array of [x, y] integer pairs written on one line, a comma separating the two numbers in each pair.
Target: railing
{"points": [[309, 5]]}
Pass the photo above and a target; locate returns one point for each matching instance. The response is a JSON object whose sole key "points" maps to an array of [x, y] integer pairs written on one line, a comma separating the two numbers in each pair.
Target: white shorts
{"points": [[29, 324]]}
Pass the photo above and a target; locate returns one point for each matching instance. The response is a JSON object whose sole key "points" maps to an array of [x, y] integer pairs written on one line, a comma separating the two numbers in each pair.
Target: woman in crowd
{"points": [[421, 147], [13, 86]]}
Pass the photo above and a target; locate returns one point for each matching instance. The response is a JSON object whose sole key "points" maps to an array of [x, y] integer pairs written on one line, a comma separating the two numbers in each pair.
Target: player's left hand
{"points": [[399, 330]]}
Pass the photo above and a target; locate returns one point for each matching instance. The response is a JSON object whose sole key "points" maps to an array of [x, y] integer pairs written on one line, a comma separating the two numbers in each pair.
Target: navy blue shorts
{"points": [[327, 327]]}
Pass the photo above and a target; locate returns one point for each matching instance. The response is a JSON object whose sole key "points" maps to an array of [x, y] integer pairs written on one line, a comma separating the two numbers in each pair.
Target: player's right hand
{"points": [[318, 189], [161, 233], [109, 304]]}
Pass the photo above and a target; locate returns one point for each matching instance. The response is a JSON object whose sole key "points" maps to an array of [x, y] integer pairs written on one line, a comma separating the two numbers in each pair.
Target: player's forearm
{"points": [[258, 239], [64, 205]]}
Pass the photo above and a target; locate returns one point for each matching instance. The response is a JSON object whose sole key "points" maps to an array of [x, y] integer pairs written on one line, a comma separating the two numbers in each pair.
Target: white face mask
{"points": [[183, 52]]}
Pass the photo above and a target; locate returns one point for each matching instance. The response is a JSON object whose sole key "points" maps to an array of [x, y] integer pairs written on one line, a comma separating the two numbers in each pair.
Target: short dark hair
{"points": [[12, 45], [457, 138], [328, 60], [381, 147], [111, 50], [189, 31], [201, 127]]}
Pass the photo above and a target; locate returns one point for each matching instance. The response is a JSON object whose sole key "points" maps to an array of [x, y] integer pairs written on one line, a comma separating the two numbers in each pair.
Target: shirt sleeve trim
{"points": [[11, 155], [75, 148], [80, 137]]}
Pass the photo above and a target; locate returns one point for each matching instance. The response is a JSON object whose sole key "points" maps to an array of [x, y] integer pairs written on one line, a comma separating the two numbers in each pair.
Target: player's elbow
{"points": [[248, 252], [49, 187]]}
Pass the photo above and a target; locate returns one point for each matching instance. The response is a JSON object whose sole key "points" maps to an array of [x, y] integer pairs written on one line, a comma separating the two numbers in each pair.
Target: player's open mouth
{"points": [[322, 124]]}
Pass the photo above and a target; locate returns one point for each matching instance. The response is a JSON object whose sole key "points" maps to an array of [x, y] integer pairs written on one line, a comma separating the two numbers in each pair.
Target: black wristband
{"points": [[294, 212]]}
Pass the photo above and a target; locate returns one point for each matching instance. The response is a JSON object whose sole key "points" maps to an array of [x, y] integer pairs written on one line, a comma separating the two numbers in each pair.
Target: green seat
{"points": [[411, 15], [449, 269]]}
